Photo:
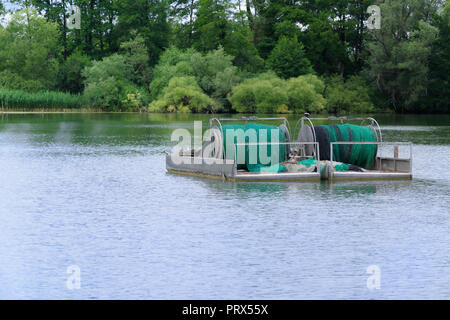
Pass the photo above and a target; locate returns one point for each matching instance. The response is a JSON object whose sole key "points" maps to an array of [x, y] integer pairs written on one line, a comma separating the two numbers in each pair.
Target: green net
{"points": [[255, 158], [341, 167], [308, 162], [362, 155]]}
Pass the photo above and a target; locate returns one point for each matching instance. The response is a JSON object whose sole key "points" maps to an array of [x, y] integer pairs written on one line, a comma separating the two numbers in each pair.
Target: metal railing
{"points": [[376, 143]]}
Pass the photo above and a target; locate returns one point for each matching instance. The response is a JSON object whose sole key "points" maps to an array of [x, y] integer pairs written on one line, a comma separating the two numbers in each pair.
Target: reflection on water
{"points": [[91, 190]]}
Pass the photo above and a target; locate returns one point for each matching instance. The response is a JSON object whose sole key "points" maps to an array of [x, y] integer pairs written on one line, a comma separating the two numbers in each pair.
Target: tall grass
{"points": [[18, 99]]}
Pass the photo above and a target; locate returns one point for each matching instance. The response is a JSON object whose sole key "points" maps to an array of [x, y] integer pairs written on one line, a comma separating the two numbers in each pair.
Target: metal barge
{"points": [[211, 161]]}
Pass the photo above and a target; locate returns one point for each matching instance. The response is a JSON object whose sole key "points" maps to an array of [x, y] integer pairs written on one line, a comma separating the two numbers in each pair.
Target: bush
{"points": [[183, 95], [305, 94], [173, 62], [104, 94], [108, 84], [214, 72], [13, 81], [163, 73], [263, 94], [351, 96], [270, 94], [134, 98], [72, 70]]}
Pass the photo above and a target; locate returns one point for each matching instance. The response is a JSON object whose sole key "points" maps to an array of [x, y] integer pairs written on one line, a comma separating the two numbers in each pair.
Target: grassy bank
{"points": [[48, 100]]}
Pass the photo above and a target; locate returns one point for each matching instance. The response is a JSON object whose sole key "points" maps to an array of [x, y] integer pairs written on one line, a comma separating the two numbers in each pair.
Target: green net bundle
{"points": [[362, 155], [253, 133]]}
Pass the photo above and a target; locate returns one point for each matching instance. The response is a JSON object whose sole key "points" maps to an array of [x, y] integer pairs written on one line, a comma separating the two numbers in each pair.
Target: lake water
{"points": [[91, 190]]}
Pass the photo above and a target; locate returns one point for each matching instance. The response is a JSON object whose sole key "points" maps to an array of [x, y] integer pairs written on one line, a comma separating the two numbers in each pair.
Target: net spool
{"points": [[362, 155], [246, 136]]}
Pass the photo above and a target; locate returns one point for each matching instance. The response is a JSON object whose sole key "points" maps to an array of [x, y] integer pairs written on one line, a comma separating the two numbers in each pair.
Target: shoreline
{"points": [[68, 111]]}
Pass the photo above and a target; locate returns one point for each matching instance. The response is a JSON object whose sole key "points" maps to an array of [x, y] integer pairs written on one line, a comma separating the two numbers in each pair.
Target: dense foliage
{"points": [[274, 56], [269, 94]]}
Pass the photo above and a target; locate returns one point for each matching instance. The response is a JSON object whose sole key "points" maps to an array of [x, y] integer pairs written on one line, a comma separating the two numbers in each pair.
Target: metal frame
{"points": [[373, 124], [246, 119], [377, 143]]}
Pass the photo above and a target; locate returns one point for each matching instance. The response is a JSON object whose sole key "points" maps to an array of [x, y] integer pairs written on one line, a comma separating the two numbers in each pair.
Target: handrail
{"points": [[408, 143]]}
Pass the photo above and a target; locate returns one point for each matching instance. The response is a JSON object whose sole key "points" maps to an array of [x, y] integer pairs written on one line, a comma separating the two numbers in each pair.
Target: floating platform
{"points": [[217, 167]]}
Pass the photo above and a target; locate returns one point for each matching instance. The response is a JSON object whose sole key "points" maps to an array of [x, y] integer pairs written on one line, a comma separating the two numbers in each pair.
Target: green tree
{"points": [[267, 93], [106, 81], [136, 55], [183, 95], [71, 72], [399, 52], [305, 94], [173, 62], [437, 97], [215, 74], [149, 19], [238, 44], [29, 52], [211, 25], [288, 59], [350, 96], [182, 14]]}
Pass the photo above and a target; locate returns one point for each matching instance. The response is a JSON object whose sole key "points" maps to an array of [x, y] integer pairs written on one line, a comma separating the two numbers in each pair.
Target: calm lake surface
{"points": [[91, 190]]}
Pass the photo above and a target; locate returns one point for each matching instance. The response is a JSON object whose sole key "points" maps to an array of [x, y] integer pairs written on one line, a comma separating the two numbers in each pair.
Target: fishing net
{"points": [[255, 158], [362, 155]]}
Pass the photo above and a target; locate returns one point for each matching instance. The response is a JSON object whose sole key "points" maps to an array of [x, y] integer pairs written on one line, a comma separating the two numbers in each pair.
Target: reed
{"points": [[18, 99]]}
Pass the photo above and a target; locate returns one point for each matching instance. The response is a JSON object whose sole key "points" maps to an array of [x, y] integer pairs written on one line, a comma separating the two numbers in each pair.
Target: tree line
{"points": [[262, 56]]}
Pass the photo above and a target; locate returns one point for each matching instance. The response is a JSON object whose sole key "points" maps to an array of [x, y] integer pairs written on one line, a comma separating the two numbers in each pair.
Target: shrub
{"points": [[72, 70], [134, 98], [183, 95], [305, 94], [106, 81], [269, 94], [163, 73], [351, 96], [283, 109], [104, 94], [214, 72], [173, 62]]}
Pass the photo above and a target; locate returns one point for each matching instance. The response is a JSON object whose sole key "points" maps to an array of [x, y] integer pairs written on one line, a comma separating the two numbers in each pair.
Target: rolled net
{"points": [[255, 158], [362, 155]]}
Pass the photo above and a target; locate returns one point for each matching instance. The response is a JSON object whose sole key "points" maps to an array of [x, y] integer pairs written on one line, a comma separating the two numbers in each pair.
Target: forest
{"points": [[209, 56]]}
